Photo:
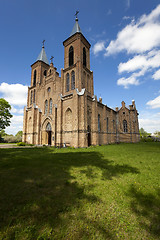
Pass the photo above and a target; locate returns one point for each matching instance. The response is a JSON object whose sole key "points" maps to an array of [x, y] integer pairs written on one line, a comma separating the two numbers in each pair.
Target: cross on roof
{"points": [[76, 13], [43, 43], [51, 59]]}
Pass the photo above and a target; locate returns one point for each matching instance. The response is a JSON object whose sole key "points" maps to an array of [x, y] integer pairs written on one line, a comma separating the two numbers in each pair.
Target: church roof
{"points": [[76, 28], [42, 56]]}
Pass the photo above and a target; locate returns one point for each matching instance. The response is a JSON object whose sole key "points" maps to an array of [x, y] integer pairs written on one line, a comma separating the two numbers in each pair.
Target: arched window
{"points": [[107, 124], [99, 125], [73, 79], [31, 101], [48, 127], [45, 73], [46, 107], [125, 129], [67, 82], [88, 84], [50, 106], [71, 56], [84, 57], [48, 89], [68, 120], [34, 78], [34, 96], [113, 125], [84, 80]]}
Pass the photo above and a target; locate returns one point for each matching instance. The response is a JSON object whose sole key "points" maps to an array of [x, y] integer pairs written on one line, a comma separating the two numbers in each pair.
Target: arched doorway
{"points": [[49, 132], [89, 136]]}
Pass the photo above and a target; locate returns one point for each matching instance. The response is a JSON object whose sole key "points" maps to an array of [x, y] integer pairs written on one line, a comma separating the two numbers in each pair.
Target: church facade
{"points": [[63, 111]]}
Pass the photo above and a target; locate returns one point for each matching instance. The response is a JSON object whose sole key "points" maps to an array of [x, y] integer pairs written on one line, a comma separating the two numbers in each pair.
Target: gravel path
{"points": [[14, 146]]}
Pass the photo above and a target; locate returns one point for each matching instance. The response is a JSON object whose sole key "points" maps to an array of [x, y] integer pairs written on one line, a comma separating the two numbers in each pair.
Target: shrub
{"points": [[147, 139], [21, 144]]}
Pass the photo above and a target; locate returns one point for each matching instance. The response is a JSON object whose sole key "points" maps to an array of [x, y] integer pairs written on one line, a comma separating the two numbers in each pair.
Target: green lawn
{"points": [[107, 192]]}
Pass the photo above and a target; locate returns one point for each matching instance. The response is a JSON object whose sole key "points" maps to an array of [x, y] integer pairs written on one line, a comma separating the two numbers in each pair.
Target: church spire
{"points": [[42, 56], [76, 27]]}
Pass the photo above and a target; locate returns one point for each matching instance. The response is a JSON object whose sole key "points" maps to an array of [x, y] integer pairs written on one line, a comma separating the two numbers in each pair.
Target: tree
{"points": [[19, 133], [157, 133], [143, 133], [2, 133], [19, 136], [5, 114]]}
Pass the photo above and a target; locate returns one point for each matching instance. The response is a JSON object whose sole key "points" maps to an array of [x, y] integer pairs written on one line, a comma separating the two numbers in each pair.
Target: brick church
{"points": [[63, 111]]}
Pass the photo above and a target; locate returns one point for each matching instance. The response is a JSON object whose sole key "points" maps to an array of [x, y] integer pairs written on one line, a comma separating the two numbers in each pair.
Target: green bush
{"points": [[21, 144], [147, 139]]}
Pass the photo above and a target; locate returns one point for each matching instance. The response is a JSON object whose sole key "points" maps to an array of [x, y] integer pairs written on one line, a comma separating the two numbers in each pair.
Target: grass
{"points": [[107, 192]]}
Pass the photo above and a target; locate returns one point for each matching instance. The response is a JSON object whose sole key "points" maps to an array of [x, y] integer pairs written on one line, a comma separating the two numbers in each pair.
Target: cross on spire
{"points": [[76, 14], [51, 59], [43, 43]]}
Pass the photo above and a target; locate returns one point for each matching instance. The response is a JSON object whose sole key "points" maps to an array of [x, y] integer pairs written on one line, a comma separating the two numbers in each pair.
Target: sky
{"points": [[125, 50]]}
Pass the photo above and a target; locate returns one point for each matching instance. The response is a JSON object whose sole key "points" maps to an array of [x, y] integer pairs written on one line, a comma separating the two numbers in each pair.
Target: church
{"points": [[63, 111]]}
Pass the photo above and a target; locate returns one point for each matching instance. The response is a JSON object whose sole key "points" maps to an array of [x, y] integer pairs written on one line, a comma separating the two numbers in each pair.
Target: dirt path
{"points": [[14, 145], [8, 145]]}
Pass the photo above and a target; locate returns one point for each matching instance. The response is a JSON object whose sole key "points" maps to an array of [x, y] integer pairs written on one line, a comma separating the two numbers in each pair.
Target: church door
{"points": [[89, 136], [49, 132], [49, 137]]}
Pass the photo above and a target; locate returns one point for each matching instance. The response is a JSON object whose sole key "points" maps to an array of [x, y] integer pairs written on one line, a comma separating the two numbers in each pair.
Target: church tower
{"points": [[77, 74], [38, 73], [77, 87]]}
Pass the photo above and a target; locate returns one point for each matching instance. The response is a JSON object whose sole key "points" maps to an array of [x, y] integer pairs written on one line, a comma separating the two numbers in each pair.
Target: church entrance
{"points": [[49, 133], [49, 137], [89, 136]]}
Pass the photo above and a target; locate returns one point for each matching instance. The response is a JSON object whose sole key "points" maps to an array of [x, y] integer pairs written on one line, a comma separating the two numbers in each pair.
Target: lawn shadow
{"points": [[37, 190], [109, 169], [147, 208]]}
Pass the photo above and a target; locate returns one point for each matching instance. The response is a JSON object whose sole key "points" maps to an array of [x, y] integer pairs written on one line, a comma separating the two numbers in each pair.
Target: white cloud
{"points": [[156, 76], [126, 82], [142, 64], [138, 37], [128, 3], [155, 103], [150, 125], [15, 94], [150, 121], [147, 61], [16, 110], [98, 47], [127, 18], [132, 80], [141, 39], [153, 16], [16, 125], [133, 64]]}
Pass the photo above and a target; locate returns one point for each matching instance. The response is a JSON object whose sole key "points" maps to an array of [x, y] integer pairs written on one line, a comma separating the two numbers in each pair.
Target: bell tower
{"points": [[39, 70], [76, 72]]}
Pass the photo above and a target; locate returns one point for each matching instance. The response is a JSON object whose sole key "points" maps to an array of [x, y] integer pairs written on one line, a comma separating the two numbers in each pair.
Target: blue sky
{"points": [[125, 50]]}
